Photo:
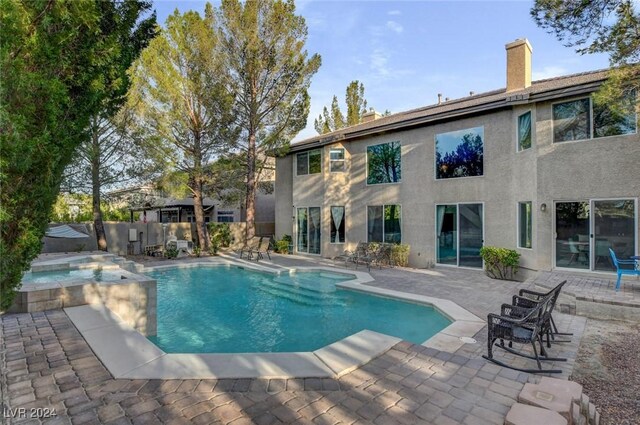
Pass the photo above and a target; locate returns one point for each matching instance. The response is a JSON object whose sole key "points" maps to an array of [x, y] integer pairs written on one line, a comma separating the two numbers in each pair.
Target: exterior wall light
{"points": [[543, 207]]}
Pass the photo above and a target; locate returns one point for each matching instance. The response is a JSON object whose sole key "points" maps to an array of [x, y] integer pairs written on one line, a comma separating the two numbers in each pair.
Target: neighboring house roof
{"points": [[174, 203], [542, 90]]}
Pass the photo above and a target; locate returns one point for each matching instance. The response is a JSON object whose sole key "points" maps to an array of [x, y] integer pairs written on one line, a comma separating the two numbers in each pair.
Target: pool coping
{"points": [[128, 354]]}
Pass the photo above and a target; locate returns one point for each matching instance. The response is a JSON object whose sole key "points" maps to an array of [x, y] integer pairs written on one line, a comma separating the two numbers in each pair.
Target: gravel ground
{"points": [[608, 367]]}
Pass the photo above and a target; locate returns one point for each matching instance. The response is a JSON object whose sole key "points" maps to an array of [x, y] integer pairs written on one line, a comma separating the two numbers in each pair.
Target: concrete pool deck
{"points": [[128, 354], [46, 363]]}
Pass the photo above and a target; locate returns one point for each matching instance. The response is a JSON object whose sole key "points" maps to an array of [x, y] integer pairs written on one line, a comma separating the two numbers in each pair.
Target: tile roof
{"points": [[540, 90]]}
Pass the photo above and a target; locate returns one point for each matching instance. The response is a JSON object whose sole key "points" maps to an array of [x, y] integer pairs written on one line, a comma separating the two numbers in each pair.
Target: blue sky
{"points": [[406, 52]]}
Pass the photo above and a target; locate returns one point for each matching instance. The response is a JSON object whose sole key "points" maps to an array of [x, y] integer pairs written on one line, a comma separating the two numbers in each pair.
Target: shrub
{"points": [[282, 246], [220, 234], [213, 247], [197, 251], [171, 252], [500, 263], [400, 254]]}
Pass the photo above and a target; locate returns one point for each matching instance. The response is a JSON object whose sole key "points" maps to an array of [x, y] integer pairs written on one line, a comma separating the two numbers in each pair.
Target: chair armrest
{"points": [[493, 318], [536, 294]]}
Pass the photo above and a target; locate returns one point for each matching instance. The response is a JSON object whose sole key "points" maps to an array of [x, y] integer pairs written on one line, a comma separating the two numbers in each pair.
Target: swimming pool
{"points": [[233, 310], [68, 275]]}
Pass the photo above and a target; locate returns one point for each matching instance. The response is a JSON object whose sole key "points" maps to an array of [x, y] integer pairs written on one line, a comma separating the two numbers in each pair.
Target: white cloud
{"points": [[378, 62], [394, 26], [394, 13], [548, 72]]}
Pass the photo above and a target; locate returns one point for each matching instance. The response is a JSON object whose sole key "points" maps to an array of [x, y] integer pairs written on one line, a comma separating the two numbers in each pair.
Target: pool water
{"points": [[232, 310], [67, 275]]}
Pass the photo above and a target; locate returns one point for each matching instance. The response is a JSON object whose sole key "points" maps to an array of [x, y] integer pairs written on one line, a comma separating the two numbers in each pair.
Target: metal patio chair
{"points": [[264, 247], [522, 326], [249, 246], [527, 298], [627, 267]]}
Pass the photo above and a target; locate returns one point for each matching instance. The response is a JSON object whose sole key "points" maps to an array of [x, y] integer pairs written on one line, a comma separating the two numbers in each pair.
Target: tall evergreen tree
{"points": [[599, 26], [179, 91], [356, 103], [56, 57], [356, 108], [108, 155], [263, 44]]}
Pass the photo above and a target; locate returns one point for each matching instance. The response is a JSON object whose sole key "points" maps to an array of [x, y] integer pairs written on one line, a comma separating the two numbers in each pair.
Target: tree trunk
{"points": [[251, 187], [198, 210], [98, 225], [196, 186]]}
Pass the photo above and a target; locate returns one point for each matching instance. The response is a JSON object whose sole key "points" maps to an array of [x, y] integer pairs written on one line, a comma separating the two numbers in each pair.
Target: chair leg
{"points": [[618, 282], [555, 331]]}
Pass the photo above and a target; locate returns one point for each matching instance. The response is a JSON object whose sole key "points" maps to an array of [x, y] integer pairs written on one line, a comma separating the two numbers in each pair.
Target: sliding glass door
{"points": [[586, 230], [308, 230], [471, 238], [573, 244], [459, 234], [614, 224]]}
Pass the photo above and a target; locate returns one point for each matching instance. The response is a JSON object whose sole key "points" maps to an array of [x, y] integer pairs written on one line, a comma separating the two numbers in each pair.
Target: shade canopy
{"points": [[65, 231]]}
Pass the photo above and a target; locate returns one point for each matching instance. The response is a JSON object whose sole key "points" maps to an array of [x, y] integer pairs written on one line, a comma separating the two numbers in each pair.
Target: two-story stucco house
{"points": [[536, 166]]}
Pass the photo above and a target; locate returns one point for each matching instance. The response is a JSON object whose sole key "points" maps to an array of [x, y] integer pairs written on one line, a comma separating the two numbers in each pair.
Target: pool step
{"points": [[298, 296], [296, 288], [306, 283]]}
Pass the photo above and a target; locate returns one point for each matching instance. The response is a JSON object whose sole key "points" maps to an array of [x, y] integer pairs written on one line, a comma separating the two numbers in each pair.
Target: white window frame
{"points": [[591, 202], [332, 161], [484, 235]]}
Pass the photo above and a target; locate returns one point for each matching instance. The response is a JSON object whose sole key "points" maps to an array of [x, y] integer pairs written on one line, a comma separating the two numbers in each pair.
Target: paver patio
{"points": [[47, 364]]}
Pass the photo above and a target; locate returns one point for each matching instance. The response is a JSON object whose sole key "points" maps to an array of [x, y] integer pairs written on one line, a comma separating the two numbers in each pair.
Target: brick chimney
{"points": [[369, 116], [518, 64]]}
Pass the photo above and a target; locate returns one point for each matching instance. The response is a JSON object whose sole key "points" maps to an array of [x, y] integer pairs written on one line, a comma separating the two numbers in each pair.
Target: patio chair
{"points": [[347, 256], [527, 298], [529, 328], [629, 267], [249, 246], [264, 247], [382, 255]]}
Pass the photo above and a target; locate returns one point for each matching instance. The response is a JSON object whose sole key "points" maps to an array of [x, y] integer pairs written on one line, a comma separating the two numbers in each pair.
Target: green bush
{"points": [[220, 234], [197, 251], [214, 247], [171, 253], [282, 246], [400, 254], [500, 263]]}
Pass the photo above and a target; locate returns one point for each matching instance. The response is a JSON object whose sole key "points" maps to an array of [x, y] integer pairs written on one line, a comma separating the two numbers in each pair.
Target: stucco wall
{"points": [[283, 195], [598, 168]]}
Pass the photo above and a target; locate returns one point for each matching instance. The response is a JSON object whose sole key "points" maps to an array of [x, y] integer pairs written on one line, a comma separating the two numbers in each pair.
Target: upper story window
{"points": [[524, 131], [309, 162], [384, 163], [460, 153], [571, 120], [584, 119], [336, 160]]}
